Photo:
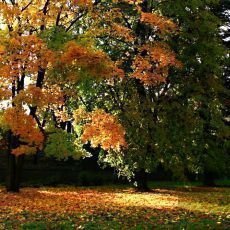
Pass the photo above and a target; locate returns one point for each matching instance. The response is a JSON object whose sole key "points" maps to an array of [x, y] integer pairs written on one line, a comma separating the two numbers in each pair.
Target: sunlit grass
{"points": [[98, 208]]}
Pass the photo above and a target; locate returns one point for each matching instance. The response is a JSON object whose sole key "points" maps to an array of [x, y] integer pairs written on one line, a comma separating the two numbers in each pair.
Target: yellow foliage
{"points": [[152, 63], [23, 126], [80, 114], [24, 55], [25, 15], [35, 96], [23, 149], [163, 24], [76, 57], [104, 130]]}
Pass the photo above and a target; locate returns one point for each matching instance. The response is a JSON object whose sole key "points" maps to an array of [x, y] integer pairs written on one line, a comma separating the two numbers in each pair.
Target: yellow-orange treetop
{"points": [[27, 83]]}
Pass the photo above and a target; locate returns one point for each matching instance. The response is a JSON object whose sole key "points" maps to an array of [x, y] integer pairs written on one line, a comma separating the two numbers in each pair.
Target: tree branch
{"points": [[25, 7]]}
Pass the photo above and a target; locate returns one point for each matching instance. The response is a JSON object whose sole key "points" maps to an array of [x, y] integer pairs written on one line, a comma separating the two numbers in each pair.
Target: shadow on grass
{"points": [[147, 218]]}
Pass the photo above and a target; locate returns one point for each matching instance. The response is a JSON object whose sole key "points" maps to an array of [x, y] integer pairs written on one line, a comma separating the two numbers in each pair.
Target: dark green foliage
{"points": [[56, 37], [200, 87]]}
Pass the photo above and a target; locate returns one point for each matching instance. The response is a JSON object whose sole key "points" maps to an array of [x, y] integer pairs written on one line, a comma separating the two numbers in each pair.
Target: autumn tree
{"points": [[139, 44], [172, 117], [41, 58]]}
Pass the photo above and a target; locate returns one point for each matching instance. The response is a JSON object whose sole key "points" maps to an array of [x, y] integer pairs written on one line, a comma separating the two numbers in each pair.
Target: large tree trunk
{"points": [[141, 180], [208, 178], [14, 167], [15, 164]]}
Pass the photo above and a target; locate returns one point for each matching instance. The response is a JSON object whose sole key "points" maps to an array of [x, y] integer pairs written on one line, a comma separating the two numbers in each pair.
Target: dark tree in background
{"points": [[202, 86]]}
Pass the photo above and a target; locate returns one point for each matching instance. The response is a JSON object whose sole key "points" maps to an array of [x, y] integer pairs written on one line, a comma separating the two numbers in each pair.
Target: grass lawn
{"points": [[115, 208]]}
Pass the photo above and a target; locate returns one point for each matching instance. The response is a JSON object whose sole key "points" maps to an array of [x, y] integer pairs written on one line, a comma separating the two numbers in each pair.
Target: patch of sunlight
{"points": [[149, 200], [57, 193], [206, 207]]}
